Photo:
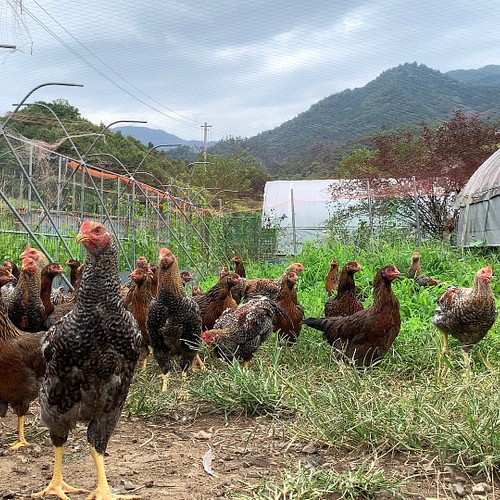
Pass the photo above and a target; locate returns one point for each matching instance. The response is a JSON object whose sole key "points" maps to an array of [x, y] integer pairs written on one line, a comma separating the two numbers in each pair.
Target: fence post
{"points": [[417, 215], [294, 236], [370, 216]]}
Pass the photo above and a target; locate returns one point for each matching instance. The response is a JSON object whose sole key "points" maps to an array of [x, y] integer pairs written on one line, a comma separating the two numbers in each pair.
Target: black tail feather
{"points": [[316, 323]]}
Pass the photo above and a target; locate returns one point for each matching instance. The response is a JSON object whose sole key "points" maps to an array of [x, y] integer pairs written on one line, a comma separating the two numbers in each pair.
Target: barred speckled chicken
{"points": [[91, 354], [174, 319], [239, 332], [467, 313]]}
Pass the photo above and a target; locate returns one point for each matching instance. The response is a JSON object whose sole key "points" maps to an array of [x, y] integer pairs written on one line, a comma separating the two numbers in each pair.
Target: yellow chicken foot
{"points": [[21, 441], [164, 383], [103, 491], [144, 363], [446, 350], [57, 486], [198, 364], [245, 364]]}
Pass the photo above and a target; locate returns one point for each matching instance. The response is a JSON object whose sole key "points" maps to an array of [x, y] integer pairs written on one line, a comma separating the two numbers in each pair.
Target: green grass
{"points": [[309, 482], [416, 401]]}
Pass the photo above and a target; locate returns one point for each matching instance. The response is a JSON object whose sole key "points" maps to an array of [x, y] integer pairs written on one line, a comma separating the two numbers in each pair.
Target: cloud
{"points": [[244, 67]]}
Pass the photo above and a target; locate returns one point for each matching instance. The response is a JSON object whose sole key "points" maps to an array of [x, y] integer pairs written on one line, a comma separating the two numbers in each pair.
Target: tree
{"points": [[432, 166]]}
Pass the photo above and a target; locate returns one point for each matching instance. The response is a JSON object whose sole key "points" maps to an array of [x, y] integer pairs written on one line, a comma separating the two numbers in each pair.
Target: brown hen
{"points": [[289, 322], [22, 367], [366, 336], [217, 299], [332, 277], [345, 301]]}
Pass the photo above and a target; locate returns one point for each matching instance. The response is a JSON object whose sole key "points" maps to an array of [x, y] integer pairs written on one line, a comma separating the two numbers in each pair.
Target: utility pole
{"points": [[205, 128]]}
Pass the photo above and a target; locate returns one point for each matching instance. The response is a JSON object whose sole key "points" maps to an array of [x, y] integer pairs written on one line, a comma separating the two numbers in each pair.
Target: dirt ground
{"points": [[164, 459]]}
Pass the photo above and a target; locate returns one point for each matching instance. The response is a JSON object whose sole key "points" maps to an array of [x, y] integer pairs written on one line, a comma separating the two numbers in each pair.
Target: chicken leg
{"points": [[21, 441], [57, 486], [103, 491], [198, 364], [164, 381]]}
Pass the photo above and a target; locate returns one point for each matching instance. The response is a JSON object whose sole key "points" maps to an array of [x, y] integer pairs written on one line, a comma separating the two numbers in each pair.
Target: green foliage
{"points": [[308, 482]]}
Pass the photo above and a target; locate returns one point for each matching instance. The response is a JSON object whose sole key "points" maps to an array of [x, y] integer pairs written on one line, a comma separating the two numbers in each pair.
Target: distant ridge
{"points": [[154, 136], [405, 96]]}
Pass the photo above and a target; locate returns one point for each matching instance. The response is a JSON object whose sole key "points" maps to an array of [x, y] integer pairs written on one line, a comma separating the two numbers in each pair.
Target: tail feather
{"points": [[316, 323]]}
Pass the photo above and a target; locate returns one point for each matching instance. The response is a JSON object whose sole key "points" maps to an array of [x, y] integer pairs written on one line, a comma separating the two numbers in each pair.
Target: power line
{"points": [[190, 123]]}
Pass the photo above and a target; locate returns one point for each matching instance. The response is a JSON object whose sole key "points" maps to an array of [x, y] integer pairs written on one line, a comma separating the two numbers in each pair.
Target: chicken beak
{"points": [[80, 238]]}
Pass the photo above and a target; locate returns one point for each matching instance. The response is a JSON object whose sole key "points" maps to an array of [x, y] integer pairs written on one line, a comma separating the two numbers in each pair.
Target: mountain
{"points": [[488, 75], [149, 135], [404, 96], [400, 98]]}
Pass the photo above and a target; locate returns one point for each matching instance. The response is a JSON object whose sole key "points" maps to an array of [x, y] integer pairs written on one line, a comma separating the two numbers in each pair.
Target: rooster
{"points": [[21, 366], [174, 320], [366, 336], [217, 299], [345, 301], [90, 354], [467, 313], [332, 277], [239, 332]]}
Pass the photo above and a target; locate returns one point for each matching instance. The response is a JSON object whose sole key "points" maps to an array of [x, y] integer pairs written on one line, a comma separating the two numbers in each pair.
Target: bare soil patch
{"points": [[164, 458]]}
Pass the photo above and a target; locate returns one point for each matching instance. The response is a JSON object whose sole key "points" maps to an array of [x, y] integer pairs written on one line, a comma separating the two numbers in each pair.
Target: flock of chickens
{"points": [[78, 351]]}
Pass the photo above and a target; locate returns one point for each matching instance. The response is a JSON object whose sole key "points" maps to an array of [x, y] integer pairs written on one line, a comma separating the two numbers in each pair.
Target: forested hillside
{"points": [[400, 98]]}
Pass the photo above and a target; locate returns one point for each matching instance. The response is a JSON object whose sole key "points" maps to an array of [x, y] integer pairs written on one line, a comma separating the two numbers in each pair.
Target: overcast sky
{"points": [[240, 66]]}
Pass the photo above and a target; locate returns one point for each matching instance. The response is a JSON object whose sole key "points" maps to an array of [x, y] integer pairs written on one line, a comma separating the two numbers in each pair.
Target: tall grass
{"points": [[416, 400]]}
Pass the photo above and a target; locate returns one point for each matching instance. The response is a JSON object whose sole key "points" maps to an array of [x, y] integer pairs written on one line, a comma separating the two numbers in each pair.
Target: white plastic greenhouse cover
{"points": [[479, 201], [305, 206]]}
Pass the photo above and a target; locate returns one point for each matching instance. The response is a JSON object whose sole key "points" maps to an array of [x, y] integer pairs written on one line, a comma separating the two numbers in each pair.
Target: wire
{"points": [[190, 123]]}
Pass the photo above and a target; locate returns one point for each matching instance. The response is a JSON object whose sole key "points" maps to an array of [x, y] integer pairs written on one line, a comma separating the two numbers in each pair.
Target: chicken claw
{"points": [[164, 383]]}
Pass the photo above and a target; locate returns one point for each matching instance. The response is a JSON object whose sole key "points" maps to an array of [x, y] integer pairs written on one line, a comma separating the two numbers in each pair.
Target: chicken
{"points": [[196, 291], [467, 313], [154, 279], [239, 266], [217, 299], [137, 301], [24, 304], [288, 324], [186, 277], [366, 336], [38, 256], [49, 272], [239, 332], [223, 271], [345, 301], [141, 262], [415, 272], [270, 287], [12, 267], [90, 354], [22, 367], [174, 319], [75, 273], [332, 277]]}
